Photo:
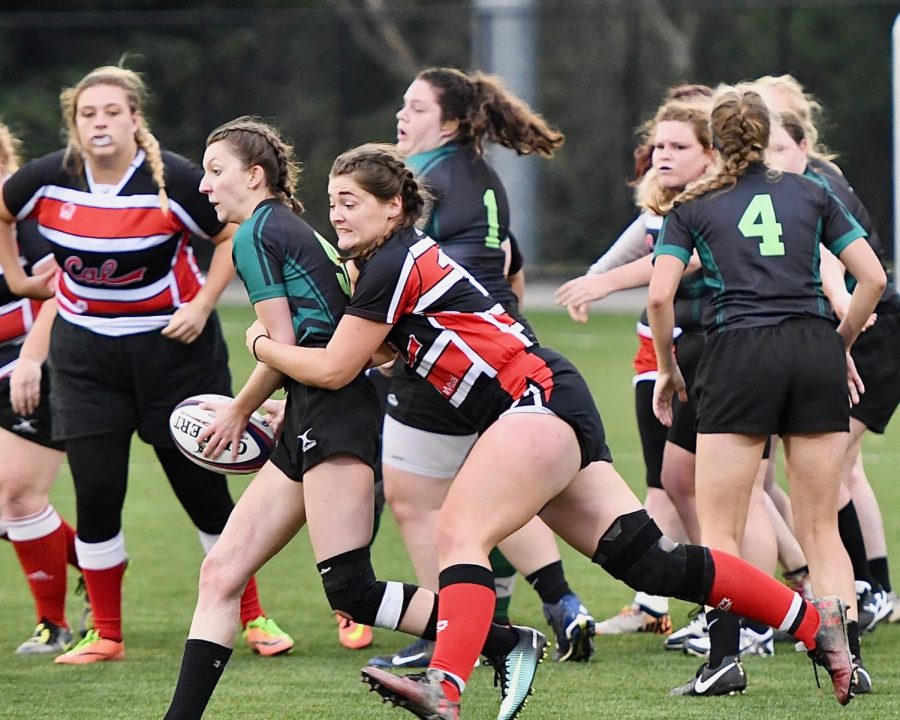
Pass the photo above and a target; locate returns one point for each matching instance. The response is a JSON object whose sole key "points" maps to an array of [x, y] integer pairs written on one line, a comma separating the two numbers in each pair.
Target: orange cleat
{"points": [[91, 649], [264, 637], [353, 636]]}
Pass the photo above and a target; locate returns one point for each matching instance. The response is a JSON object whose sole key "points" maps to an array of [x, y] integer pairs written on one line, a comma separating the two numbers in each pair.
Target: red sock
{"points": [[740, 588], [465, 610], [105, 591], [44, 562], [250, 605], [71, 555]]}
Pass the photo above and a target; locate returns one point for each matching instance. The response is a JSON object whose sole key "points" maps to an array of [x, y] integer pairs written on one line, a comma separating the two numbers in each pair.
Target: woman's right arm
{"points": [[25, 382]]}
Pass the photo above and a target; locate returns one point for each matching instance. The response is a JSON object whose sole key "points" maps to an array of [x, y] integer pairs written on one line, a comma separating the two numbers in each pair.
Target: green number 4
{"points": [[758, 221], [492, 239]]}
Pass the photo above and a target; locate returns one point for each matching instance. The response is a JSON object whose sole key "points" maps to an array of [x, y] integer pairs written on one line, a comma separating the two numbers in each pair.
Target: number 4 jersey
{"points": [[759, 246]]}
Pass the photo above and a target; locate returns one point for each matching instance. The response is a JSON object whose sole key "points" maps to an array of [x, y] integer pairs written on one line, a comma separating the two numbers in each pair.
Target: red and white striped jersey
{"points": [[17, 314], [446, 327], [126, 266]]}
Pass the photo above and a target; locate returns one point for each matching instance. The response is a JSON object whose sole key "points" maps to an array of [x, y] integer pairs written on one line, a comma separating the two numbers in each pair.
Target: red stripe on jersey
{"points": [[491, 344], [525, 370], [429, 269], [645, 359], [98, 222], [16, 319], [449, 369], [187, 274], [145, 306]]}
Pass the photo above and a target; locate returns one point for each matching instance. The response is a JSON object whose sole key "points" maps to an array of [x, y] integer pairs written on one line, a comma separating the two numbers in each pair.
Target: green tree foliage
{"points": [[326, 72]]}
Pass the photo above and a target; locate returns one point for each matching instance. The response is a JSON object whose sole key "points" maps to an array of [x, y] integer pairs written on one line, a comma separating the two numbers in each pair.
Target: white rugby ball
{"points": [[188, 420]]}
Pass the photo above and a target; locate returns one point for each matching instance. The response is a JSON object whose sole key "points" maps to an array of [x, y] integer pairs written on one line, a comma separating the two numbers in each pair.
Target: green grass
{"points": [[628, 677]]}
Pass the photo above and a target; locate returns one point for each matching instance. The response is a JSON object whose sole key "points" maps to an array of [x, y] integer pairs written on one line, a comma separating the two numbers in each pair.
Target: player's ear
{"points": [[257, 177]]}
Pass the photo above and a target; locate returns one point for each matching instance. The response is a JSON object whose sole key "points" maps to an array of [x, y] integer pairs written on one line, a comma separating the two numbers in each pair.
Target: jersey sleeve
{"points": [[258, 260], [32, 245], [192, 207], [22, 189], [674, 237], [839, 227], [631, 245], [379, 289]]}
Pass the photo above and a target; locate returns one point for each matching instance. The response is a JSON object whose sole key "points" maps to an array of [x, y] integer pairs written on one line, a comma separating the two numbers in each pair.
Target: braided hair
{"points": [[255, 142], [378, 168], [486, 109], [136, 92], [740, 132]]}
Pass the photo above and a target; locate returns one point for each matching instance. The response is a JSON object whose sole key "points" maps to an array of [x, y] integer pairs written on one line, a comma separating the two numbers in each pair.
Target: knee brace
{"points": [[352, 590], [635, 551]]}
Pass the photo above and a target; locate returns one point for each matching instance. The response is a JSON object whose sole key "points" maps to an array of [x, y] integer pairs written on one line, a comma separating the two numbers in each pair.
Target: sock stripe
{"points": [[794, 616]]}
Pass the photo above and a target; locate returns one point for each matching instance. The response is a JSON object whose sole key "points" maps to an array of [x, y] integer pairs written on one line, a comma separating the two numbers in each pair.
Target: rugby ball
{"points": [[188, 420]]}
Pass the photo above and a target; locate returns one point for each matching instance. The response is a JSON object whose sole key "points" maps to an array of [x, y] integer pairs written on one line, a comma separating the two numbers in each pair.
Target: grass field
{"points": [[628, 677]]}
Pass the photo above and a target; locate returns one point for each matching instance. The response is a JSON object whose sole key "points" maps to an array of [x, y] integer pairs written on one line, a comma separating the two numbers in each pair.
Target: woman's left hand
{"points": [[668, 384], [854, 381], [187, 323], [253, 332]]}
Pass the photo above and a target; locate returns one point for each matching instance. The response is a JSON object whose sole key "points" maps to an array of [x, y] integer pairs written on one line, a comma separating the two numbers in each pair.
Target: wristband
{"points": [[253, 346]]}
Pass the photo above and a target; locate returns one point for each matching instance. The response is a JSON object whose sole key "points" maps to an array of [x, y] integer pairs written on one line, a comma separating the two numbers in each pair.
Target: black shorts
{"points": [[569, 399], [103, 384], [789, 378], [36, 427], [415, 402], [876, 353], [688, 351], [322, 423], [652, 432]]}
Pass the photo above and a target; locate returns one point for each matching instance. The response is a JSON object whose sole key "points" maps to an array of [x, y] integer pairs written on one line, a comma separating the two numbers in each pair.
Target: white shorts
{"points": [[422, 452]]}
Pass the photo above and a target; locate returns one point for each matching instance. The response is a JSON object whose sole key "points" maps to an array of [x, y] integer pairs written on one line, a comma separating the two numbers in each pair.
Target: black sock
{"points": [[724, 635], [853, 639], [201, 667], [550, 582], [500, 640], [758, 627], [852, 537], [879, 569]]}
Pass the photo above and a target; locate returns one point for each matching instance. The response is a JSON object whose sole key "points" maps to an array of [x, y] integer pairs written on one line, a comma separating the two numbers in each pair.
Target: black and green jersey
{"points": [[823, 174], [276, 254], [758, 243], [470, 218]]}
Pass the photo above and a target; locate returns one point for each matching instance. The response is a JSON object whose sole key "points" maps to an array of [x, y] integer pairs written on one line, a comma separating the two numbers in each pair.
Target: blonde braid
{"points": [[9, 151], [148, 142], [740, 128]]}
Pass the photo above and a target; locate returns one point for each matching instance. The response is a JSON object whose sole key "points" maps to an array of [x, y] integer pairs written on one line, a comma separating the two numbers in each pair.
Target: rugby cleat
{"points": [[696, 628], [832, 650], [574, 629], [415, 655], [514, 672], [419, 693], [264, 637], [751, 643], [47, 639], [727, 679], [634, 619], [862, 681], [353, 636], [91, 649]]}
